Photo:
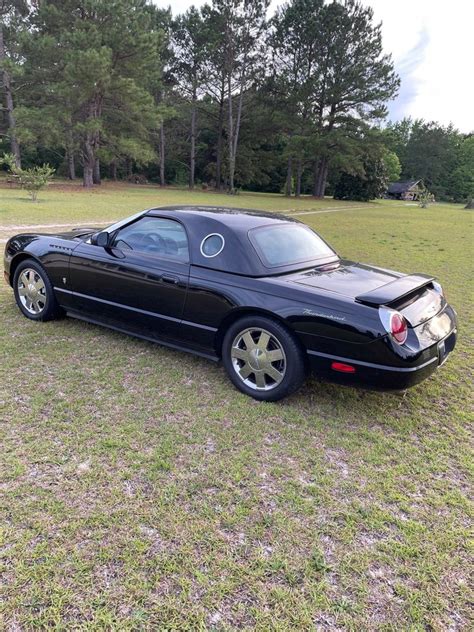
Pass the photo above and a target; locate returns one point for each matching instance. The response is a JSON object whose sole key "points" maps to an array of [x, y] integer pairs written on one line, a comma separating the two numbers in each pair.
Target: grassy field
{"points": [[139, 490], [60, 203]]}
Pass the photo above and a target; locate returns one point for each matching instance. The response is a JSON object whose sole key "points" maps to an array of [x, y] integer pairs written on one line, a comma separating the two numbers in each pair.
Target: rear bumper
{"points": [[381, 376]]}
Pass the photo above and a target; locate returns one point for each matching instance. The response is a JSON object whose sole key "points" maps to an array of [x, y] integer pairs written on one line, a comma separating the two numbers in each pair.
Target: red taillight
{"points": [[395, 324], [399, 328], [343, 368]]}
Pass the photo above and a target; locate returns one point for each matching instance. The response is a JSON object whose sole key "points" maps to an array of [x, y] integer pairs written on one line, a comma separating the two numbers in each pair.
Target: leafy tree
{"points": [[439, 155], [431, 155], [334, 55], [244, 23], [33, 179], [217, 95], [354, 82], [91, 59], [190, 36], [396, 137], [425, 198], [161, 83], [11, 14], [213, 104], [363, 187], [292, 43], [392, 165], [460, 185]]}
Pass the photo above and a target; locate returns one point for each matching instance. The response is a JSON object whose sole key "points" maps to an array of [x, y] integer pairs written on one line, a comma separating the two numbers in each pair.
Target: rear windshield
{"points": [[288, 244]]}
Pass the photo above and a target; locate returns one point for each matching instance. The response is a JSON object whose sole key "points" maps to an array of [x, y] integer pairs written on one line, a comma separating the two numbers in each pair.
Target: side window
{"points": [[154, 236]]}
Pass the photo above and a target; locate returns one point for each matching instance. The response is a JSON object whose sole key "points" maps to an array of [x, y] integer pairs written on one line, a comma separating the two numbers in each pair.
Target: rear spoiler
{"points": [[394, 290]]}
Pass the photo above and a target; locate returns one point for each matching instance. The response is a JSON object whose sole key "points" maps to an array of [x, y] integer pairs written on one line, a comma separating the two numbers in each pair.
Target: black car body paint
{"points": [[329, 303]]}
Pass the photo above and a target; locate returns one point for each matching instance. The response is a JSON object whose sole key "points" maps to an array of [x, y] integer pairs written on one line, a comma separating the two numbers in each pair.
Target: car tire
{"points": [[263, 358], [34, 293]]}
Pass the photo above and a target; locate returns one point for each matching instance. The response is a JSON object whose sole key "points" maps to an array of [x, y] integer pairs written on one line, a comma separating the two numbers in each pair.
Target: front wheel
{"points": [[262, 358], [33, 292]]}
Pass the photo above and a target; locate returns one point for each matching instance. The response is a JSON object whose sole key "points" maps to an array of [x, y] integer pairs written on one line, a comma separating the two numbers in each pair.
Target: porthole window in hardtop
{"points": [[212, 245]]}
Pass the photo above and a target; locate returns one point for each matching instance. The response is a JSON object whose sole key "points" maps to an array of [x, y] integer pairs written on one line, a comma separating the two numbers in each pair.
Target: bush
{"points": [[32, 180], [425, 198], [364, 187]]}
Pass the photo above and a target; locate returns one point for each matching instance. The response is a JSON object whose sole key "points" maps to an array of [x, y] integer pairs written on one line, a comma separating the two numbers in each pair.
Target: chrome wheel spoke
{"points": [[260, 365], [260, 379], [31, 290], [274, 374], [274, 355], [249, 342], [240, 354], [245, 371], [263, 340]]}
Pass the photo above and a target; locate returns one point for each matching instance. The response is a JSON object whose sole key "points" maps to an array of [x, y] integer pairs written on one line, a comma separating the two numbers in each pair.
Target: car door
{"points": [[138, 282]]}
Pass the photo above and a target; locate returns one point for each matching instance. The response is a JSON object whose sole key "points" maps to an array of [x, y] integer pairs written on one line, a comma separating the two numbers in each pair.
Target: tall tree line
{"points": [[440, 155], [220, 96]]}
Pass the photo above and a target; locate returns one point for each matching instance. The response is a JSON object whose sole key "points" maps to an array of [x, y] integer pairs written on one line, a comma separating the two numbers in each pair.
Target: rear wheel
{"points": [[33, 292], [262, 358]]}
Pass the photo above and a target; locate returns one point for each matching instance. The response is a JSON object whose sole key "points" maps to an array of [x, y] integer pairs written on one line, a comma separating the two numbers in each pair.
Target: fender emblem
{"points": [[309, 312], [66, 248]]}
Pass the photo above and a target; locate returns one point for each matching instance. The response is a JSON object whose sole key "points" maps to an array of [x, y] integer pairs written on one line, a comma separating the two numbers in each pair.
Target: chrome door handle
{"points": [[169, 278]]}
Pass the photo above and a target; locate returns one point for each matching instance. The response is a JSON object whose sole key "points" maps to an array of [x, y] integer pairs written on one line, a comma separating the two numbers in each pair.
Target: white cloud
{"points": [[431, 43], [407, 69]]}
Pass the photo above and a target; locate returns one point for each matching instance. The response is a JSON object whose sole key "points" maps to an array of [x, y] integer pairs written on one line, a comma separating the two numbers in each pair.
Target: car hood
{"points": [[77, 233], [346, 278]]}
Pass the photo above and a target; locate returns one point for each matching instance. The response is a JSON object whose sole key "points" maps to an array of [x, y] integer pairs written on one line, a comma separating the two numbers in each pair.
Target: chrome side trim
{"points": [[371, 365], [135, 309]]}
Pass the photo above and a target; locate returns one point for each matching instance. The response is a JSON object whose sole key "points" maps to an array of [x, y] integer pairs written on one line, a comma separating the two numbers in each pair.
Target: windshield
{"points": [[288, 244]]}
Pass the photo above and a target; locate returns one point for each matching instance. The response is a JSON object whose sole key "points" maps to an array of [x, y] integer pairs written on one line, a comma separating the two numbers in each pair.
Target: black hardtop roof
{"points": [[239, 219], [238, 255]]}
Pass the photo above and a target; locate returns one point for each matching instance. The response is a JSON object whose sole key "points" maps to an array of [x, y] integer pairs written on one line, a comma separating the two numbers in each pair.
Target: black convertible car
{"points": [[260, 291]]}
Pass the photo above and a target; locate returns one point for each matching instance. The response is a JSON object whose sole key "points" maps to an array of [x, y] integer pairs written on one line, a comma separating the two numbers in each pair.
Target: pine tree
{"points": [[190, 35], [346, 78], [12, 13], [243, 23], [92, 59]]}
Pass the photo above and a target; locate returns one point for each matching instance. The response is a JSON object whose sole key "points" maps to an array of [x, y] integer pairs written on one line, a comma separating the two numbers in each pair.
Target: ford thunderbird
{"points": [[261, 292]]}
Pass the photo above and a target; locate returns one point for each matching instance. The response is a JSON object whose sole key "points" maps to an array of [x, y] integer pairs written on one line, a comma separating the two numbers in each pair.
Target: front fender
{"points": [[50, 251]]}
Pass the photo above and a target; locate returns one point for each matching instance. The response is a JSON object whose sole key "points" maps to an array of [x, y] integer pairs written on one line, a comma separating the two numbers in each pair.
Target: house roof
{"points": [[402, 186]]}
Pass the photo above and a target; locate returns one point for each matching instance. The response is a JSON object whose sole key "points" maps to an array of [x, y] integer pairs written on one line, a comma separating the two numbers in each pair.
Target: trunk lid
{"points": [[413, 295], [345, 277]]}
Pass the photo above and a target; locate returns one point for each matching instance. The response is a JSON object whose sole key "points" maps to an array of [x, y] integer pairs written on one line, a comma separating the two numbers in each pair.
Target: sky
{"points": [[431, 42]]}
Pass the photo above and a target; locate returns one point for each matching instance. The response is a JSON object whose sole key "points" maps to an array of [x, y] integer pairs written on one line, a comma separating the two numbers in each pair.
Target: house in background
{"points": [[405, 190]]}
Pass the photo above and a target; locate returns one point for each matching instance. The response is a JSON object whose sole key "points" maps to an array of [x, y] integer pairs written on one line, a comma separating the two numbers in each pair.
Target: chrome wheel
{"points": [[258, 359], [32, 291]]}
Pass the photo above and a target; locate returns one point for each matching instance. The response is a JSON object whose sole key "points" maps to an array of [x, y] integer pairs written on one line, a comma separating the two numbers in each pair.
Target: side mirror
{"points": [[101, 239]]}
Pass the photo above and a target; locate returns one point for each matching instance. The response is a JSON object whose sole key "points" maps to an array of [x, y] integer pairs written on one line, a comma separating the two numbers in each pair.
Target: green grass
{"points": [[139, 490], [60, 203]]}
